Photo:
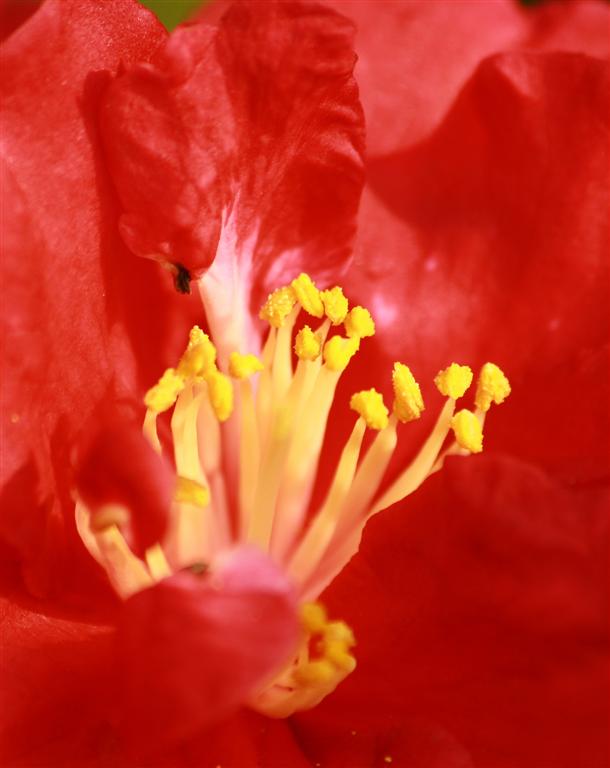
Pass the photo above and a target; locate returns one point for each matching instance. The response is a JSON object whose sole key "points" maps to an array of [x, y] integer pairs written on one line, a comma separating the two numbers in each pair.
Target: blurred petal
{"points": [[415, 56]]}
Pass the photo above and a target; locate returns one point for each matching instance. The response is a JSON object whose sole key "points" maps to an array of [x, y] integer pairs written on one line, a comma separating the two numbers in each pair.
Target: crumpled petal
{"points": [[247, 140], [194, 647]]}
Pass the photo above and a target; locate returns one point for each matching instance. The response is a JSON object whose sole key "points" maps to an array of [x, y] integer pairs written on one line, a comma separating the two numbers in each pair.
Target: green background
{"points": [[172, 12]]}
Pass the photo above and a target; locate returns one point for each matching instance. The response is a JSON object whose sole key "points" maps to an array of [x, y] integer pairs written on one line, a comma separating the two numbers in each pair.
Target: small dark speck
{"points": [[182, 279]]}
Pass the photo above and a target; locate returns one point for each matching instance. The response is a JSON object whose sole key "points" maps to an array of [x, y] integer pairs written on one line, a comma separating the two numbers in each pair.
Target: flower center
{"points": [[247, 443]]}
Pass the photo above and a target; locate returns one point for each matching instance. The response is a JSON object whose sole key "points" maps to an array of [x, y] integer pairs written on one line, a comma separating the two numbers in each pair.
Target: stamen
{"points": [[244, 366], [307, 345], [454, 380], [359, 323], [369, 404], [335, 305], [278, 306], [492, 387], [163, 395], [339, 351], [408, 403], [468, 431], [221, 394], [308, 295]]}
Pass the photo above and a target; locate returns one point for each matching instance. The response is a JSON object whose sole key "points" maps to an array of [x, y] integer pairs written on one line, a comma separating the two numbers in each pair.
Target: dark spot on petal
{"points": [[182, 279]]}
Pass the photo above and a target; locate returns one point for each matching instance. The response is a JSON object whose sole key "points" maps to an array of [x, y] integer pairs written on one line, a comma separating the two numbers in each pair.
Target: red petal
{"points": [[119, 466], [77, 305], [480, 608], [255, 131], [498, 248], [415, 56], [52, 687], [195, 647]]}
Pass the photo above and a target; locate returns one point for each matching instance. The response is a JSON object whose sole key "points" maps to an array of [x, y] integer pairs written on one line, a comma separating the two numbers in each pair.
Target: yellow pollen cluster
{"points": [[191, 492], [221, 394], [408, 402], [307, 344], [492, 387], [454, 380], [335, 305], [369, 404], [468, 431], [278, 306], [198, 363], [359, 323], [331, 642], [244, 366], [308, 295], [163, 395], [338, 351]]}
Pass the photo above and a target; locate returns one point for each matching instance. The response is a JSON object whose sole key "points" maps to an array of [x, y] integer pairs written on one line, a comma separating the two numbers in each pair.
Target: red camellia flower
{"points": [[194, 440]]}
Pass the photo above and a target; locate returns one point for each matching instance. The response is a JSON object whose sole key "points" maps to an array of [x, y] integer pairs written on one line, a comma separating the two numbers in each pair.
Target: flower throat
{"points": [[247, 436]]}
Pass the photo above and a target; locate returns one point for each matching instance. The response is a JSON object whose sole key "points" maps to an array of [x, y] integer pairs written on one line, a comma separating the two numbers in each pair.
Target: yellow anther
{"points": [[408, 402], [163, 395], [359, 323], [196, 336], [315, 673], [338, 654], [468, 431], [492, 387], [221, 394], [199, 357], [339, 351], [243, 366], [313, 617], [278, 306], [308, 295], [191, 492], [454, 380], [339, 630], [307, 344], [369, 404], [335, 305]]}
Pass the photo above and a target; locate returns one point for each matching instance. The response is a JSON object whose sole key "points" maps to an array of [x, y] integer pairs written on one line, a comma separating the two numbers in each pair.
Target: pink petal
{"points": [[194, 647]]}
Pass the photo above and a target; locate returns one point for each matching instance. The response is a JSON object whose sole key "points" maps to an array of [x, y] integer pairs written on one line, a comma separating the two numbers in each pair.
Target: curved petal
{"points": [[77, 304], [242, 144], [480, 608], [119, 466], [495, 247], [414, 57], [193, 648]]}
